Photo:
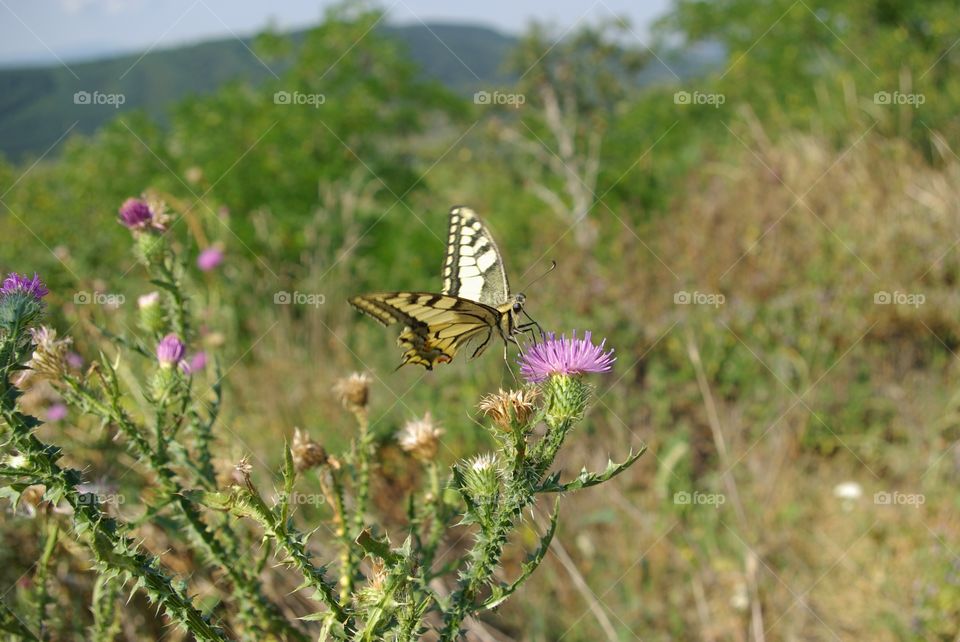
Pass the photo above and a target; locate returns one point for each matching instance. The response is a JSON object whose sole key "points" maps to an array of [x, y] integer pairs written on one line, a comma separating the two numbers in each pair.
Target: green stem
{"points": [[291, 543], [180, 319], [42, 596], [106, 624], [364, 446], [438, 521], [255, 610], [485, 558], [113, 552]]}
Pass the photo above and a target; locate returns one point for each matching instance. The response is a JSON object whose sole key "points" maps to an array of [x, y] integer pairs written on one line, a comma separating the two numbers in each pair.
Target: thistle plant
{"points": [[365, 581]]}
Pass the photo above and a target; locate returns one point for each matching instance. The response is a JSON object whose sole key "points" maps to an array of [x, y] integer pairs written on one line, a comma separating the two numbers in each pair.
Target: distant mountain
{"points": [[39, 104]]}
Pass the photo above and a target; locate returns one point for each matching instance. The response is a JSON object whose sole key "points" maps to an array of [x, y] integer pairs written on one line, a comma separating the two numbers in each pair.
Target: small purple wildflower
{"points": [[194, 364], [170, 351], [74, 360], [135, 214], [210, 259], [17, 283], [564, 356], [57, 412]]}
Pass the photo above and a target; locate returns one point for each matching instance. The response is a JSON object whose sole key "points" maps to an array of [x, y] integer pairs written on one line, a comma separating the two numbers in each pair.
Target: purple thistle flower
{"points": [[74, 360], [135, 214], [194, 364], [210, 258], [57, 412], [170, 351], [564, 356], [17, 283]]}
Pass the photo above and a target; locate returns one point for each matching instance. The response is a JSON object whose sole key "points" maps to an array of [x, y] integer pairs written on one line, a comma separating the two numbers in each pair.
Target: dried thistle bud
{"points": [[31, 500], [354, 391], [373, 592], [306, 452], [421, 438], [509, 407], [241, 472], [49, 359]]}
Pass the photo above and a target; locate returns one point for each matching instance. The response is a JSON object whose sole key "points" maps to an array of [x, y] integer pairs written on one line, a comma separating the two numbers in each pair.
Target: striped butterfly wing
{"points": [[437, 325], [472, 268]]}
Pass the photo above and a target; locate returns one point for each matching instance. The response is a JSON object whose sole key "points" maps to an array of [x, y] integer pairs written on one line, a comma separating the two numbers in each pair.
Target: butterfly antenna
{"points": [[553, 266]]}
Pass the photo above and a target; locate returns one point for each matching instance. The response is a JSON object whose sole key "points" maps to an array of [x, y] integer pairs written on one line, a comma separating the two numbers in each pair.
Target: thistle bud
{"points": [[354, 392], [170, 351], [306, 452], [373, 593], [18, 460], [49, 358], [151, 246], [567, 397], [510, 409], [481, 481], [151, 313], [241, 473], [421, 438]]}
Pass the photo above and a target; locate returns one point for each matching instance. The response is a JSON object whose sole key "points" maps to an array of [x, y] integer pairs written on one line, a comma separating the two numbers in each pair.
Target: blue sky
{"points": [[45, 30]]}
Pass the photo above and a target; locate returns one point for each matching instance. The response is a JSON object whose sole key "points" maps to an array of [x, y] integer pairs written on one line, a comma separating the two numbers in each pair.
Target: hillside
{"points": [[37, 104]]}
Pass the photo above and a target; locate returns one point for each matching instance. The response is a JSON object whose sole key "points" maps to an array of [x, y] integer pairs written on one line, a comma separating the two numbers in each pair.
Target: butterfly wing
{"points": [[473, 268], [437, 325]]}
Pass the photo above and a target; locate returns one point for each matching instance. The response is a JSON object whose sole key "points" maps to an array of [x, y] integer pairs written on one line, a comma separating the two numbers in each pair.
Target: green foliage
{"points": [[391, 602], [804, 382]]}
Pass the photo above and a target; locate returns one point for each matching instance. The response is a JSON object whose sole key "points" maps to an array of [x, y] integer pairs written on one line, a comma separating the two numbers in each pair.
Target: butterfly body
{"points": [[475, 302]]}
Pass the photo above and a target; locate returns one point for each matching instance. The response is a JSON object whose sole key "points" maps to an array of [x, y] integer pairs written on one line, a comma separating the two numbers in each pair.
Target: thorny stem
{"points": [[364, 446], [42, 596], [349, 556], [112, 551], [257, 611], [179, 303], [484, 559], [438, 519], [333, 493], [292, 545], [519, 494], [10, 623]]}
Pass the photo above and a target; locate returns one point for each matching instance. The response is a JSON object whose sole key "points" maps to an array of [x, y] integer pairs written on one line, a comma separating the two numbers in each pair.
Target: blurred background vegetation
{"points": [[797, 176]]}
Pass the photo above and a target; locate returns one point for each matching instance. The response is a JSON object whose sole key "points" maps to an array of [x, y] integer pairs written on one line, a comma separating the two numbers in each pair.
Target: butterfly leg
{"points": [[533, 324], [507, 362]]}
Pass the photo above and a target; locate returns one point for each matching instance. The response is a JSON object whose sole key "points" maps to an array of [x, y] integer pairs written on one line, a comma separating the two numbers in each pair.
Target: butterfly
{"points": [[475, 302]]}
